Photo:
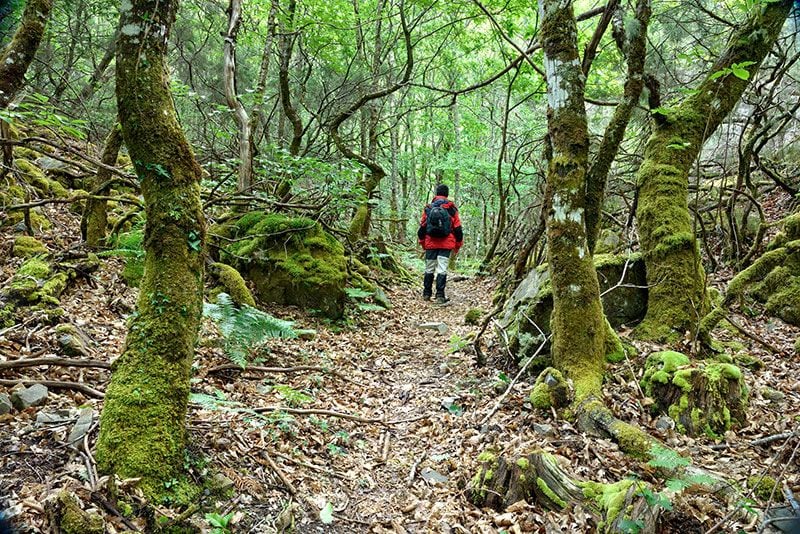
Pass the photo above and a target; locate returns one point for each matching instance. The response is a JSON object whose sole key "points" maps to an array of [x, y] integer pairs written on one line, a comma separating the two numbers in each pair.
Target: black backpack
{"points": [[438, 222]]}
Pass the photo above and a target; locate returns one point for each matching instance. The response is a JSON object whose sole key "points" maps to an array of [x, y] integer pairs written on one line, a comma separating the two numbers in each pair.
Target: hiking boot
{"points": [[442, 300], [427, 286], [426, 298]]}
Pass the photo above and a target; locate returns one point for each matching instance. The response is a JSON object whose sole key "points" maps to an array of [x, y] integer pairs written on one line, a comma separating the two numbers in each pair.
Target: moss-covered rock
{"points": [[27, 247], [550, 389], [74, 520], [28, 279], [473, 316], [702, 398], [232, 283], [774, 278], [290, 260], [526, 315]]}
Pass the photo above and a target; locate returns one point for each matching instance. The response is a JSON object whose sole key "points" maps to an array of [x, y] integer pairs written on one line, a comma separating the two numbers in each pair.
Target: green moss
{"points": [[27, 247], [30, 276], [632, 440], [473, 316], [291, 260], [233, 283], [523, 463], [683, 379], [488, 456], [33, 176], [74, 520], [52, 289], [661, 368], [550, 494], [608, 497], [615, 351], [762, 486], [540, 396]]}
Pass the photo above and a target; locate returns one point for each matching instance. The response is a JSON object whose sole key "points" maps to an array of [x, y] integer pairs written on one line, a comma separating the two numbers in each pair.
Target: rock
{"points": [[307, 334], [381, 298], [448, 402], [665, 423], [71, 341], [443, 368], [530, 305], [439, 327], [290, 260], [772, 395], [219, 483], [82, 427], [5, 404], [431, 475], [544, 429], [35, 395], [27, 247], [57, 417]]}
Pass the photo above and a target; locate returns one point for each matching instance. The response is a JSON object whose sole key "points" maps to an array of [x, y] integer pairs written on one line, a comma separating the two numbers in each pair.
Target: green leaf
{"points": [[740, 73], [666, 458], [326, 514], [719, 74], [630, 526]]}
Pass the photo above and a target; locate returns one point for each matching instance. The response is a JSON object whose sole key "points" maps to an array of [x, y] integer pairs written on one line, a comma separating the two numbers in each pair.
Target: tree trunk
{"points": [[18, 55], [88, 90], [245, 180], [287, 45], [635, 49], [95, 217], [577, 321], [677, 298], [143, 423]]}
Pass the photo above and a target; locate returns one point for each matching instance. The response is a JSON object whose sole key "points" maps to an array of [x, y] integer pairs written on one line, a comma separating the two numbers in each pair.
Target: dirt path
{"points": [[409, 440]]}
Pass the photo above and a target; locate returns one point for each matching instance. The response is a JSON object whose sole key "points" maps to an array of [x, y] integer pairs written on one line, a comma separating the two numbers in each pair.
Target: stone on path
{"points": [[431, 475], [57, 417], [439, 327], [82, 427], [35, 395], [5, 404]]}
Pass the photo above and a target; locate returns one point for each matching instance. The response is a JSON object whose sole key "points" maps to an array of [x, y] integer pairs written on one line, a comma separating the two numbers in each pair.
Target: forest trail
{"points": [[381, 420]]}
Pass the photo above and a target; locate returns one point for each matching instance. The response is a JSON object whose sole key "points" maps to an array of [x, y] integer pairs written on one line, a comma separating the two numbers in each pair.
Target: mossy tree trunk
{"points": [[143, 423], [18, 54], [95, 216], [677, 298], [577, 322]]}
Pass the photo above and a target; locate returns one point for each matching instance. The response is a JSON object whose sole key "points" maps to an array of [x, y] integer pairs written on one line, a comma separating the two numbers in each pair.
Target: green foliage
{"points": [[666, 458], [37, 110], [220, 524], [457, 344], [292, 396], [245, 329]]}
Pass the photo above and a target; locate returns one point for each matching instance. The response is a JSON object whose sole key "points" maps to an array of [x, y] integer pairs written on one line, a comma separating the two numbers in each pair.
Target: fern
{"points": [[244, 328], [666, 458]]}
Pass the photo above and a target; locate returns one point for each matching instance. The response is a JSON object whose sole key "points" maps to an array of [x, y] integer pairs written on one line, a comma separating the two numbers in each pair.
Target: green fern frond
{"points": [[244, 328]]}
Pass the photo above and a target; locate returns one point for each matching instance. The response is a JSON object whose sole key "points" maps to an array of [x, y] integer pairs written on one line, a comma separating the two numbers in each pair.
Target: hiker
{"points": [[440, 235]]}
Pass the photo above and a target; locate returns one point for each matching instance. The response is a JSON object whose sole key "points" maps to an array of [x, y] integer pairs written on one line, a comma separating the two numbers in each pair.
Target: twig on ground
{"points": [[62, 362], [55, 384], [277, 470]]}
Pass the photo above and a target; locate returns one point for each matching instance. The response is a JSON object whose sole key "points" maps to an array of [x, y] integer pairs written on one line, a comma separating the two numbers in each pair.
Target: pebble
{"points": [[35, 395]]}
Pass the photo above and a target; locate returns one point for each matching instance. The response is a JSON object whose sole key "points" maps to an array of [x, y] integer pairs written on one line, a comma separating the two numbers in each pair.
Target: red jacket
{"points": [[452, 241]]}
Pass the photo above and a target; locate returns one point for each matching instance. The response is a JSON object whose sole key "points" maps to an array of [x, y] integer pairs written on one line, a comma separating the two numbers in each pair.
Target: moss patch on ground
{"points": [[27, 247]]}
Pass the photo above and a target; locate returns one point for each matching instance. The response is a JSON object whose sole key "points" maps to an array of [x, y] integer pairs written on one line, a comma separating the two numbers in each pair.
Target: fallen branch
{"points": [[277, 470], [61, 362], [56, 384], [329, 413]]}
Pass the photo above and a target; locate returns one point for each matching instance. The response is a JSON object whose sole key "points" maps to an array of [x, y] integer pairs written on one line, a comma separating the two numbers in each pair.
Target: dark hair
{"points": [[442, 190]]}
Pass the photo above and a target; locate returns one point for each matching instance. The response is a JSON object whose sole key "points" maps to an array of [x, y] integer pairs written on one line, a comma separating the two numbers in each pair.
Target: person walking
{"points": [[441, 236]]}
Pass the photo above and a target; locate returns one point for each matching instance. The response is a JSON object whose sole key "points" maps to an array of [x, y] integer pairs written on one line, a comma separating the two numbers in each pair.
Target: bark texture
{"points": [[245, 180], [18, 55], [577, 321], [143, 427], [677, 298]]}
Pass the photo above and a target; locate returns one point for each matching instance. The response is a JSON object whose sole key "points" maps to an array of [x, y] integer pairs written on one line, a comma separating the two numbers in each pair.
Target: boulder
{"points": [[525, 319], [71, 341], [35, 395], [290, 260], [5, 404], [27, 247]]}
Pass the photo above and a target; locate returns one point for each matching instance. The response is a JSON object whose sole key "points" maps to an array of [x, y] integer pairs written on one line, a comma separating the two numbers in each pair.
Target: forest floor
{"points": [[380, 422]]}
